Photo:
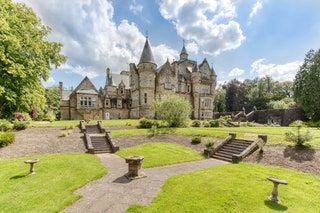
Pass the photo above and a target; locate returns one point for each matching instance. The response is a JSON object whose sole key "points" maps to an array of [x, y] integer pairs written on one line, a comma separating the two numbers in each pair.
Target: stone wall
{"points": [[281, 116]]}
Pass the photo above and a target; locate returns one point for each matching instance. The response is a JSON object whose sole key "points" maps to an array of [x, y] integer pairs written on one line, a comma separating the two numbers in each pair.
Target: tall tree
{"points": [[307, 85], [234, 96], [26, 57], [220, 100], [53, 99]]}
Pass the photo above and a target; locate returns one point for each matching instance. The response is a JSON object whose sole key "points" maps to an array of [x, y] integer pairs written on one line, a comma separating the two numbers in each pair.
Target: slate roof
{"points": [[147, 56], [117, 78]]}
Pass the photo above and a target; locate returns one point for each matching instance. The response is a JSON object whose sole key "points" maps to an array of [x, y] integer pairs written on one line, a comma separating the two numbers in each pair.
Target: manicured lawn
{"points": [[161, 153], [235, 188], [122, 122], [51, 188], [276, 135]]}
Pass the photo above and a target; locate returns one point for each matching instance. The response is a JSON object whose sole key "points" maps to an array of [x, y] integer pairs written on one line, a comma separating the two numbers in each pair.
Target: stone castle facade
{"points": [[130, 94]]}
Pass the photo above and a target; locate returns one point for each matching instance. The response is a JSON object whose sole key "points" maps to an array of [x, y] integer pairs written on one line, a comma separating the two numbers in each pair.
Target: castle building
{"points": [[130, 94]]}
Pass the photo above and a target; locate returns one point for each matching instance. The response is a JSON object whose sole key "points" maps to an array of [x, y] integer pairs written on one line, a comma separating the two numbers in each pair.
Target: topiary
{"points": [[196, 123], [206, 124], [146, 123], [6, 138]]}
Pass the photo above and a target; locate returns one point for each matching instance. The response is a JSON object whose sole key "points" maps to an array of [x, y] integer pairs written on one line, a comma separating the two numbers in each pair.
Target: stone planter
{"points": [[134, 167]]}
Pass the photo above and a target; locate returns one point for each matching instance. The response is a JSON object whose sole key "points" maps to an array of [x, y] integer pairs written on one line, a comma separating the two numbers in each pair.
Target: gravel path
{"points": [[42, 141], [114, 193]]}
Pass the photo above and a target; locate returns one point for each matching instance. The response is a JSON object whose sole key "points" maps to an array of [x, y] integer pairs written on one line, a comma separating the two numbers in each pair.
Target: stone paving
{"points": [[115, 193]]}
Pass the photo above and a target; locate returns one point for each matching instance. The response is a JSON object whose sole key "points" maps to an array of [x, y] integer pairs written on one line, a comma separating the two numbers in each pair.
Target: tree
{"points": [[53, 100], [220, 100], [26, 57], [234, 96], [307, 85], [173, 109]]}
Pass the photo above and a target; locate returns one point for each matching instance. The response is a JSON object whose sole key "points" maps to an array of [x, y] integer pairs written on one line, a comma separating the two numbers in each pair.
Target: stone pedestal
{"points": [[31, 163], [274, 195], [134, 167]]}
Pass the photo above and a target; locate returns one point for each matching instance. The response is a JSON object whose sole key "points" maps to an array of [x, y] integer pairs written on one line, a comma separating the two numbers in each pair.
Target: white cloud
{"points": [[192, 47], [280, 72], [208, 22], [91, 38], [50, 82], [255, 9], [236, 72], [135, 7]]}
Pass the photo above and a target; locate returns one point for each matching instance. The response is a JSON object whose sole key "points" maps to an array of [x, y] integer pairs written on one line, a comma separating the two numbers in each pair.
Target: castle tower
{"points": [[184, 54], [146, 71]]}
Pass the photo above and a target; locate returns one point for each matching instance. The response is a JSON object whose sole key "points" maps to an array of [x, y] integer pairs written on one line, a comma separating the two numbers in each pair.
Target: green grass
{"points": [[161, 153], [51, 188], [235, 188], [63, 123], [276, 135]]}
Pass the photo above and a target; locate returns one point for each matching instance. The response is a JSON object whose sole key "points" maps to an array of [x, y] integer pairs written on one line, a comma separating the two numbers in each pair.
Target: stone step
{"points": [[235, 147], [226, 152], [233, 151], [100, 152], [222, 158], [223, 155]]}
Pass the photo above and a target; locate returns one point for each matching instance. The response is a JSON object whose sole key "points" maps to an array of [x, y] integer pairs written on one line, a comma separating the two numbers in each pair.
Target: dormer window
{"points": [[167, 84]]}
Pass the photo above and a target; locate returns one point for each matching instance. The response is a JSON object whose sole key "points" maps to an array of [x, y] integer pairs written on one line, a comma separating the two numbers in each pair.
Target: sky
{"points": [[242, 39]]}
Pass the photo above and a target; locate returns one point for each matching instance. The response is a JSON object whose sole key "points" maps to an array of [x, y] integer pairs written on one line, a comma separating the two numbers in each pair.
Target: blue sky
{"points": [[241, 38]]}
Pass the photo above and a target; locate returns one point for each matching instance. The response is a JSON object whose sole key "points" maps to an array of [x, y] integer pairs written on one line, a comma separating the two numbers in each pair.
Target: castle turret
{"points": [[184, 54], [147, 72]]}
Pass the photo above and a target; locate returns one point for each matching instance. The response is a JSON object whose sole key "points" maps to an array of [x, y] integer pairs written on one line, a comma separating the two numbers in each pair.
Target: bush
{"points": [[6, 138], [209, 145], [313, 124], [145, 123], [21, 116], [298, 137], [225, 118], [214, 123], [206, 124], [20, 125], [173, 109], [49, 116], [196, 140], [5, 125], [196, 123], [297, 123]]}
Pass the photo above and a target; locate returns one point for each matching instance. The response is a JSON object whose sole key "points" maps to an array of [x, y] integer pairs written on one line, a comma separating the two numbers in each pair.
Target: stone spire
{"points": [[184, 53], [109, 81], [147, 56]]}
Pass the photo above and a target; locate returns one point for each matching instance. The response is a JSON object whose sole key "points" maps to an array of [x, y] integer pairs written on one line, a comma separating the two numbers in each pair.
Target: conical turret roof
{"points": [[146, 56]]}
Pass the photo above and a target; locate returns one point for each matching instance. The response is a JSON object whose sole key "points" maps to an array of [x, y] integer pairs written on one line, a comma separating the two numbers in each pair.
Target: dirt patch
{"points": [[306, 160], [43, 140]]}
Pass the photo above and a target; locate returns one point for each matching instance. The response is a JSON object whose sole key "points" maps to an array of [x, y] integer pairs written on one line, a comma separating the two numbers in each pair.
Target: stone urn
{"points": [[134, 167]]}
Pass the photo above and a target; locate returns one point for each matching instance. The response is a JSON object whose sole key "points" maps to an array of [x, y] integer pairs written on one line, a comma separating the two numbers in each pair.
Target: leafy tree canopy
{"points": [[307, 85], [26, 57], [53, 99]]}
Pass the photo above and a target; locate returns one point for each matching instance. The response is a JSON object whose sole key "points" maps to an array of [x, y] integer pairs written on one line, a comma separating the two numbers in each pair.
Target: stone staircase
{"points": [[235, 146], [100, 144], [97, 139], [234, 150]]}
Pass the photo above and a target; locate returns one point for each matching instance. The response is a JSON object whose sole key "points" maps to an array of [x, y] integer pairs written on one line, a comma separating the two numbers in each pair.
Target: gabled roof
{"points": [[146, 55], [118, 78], [81, 88]]}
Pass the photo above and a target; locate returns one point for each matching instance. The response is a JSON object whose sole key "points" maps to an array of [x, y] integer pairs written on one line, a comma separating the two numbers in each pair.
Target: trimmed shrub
{"points": [[313, 124], [20, 125], [5, 125], [196, 123], [209, 145], [196, 140], [6, 138], [214, 123], [206, 124], [297, 123]]}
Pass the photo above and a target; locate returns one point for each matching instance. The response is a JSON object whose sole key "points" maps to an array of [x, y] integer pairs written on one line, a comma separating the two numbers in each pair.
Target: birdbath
{"points": [[274, 194], [134, 167], [31, 163]]}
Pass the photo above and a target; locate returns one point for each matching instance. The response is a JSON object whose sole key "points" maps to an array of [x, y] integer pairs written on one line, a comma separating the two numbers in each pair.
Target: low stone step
{"points": [[227, 152], [236, 145], [230, 151], [223, 155], [100, 152], [222, 158]]}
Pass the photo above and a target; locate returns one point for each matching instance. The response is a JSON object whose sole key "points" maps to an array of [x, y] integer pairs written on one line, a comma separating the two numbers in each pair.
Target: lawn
{"points": [[235, 188], [161, 153], [52, 188], [63, 123], [276, 135]]}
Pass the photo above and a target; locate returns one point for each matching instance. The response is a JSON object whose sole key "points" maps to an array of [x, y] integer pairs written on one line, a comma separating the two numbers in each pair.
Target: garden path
{"points": [[115, 193]]}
